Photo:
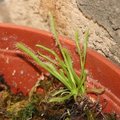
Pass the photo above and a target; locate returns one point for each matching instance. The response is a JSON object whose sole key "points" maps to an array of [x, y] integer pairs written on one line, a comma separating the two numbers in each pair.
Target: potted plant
{"points": [[19, 73]]}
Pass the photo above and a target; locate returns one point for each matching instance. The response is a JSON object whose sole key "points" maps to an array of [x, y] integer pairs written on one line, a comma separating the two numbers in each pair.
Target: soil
{"points": [[35, 105]]}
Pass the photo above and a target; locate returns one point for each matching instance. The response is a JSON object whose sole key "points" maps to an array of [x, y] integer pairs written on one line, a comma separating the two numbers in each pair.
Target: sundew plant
{"points": [[74, 84]]}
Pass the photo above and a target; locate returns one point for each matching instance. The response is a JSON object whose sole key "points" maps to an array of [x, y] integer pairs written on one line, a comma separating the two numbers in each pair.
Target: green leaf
{"points": [[52, 26], [48, 58], [79, 50], [59, 92], [85, 46], [31, 54], [68, 63], [60, 99], [82, 83], [55, 73], [59, 60]]}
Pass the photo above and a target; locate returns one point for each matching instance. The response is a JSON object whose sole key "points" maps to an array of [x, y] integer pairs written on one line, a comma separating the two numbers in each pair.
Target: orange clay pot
{"points": [[20, 73]]}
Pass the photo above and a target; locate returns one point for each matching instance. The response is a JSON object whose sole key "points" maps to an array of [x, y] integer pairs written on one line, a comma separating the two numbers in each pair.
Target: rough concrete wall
{"points": [[34, 13], [104, 12], [107, 14]]}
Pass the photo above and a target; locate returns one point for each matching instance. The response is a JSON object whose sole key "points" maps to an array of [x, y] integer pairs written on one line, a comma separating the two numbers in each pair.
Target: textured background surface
{"points": [[71, 15], [107, 14]]}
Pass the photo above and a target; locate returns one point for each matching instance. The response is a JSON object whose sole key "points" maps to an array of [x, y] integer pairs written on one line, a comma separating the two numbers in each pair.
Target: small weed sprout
{"points": [[74, 84]]}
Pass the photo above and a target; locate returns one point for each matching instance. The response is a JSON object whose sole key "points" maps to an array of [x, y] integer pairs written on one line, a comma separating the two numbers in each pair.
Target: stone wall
{"points": [[70, 15]]}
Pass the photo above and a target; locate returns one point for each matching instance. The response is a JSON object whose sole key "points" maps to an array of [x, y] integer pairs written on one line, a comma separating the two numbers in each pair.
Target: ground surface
{"points": [[100, 17]]}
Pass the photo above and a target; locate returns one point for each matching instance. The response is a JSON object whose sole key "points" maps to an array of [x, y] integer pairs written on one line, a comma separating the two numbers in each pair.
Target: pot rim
{"points": [[67, 40]]}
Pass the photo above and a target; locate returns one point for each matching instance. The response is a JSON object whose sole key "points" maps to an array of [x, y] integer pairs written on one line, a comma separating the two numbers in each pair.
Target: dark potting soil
{"points": [[20, 107]]}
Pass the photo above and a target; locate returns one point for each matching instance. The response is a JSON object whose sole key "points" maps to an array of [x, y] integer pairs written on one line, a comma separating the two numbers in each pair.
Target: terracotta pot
{"points": [[20, 73]]}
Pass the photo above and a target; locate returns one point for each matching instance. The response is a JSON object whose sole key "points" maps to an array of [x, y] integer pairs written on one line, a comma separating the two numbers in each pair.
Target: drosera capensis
{"points": [[74, 84]]}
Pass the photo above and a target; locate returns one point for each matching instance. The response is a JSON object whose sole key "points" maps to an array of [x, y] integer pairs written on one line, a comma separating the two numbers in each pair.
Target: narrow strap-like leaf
{"points": [[79, 50], [60, 61], [85, 46], [60, 99], [52, 24], [48, 59], [58, 92]]}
